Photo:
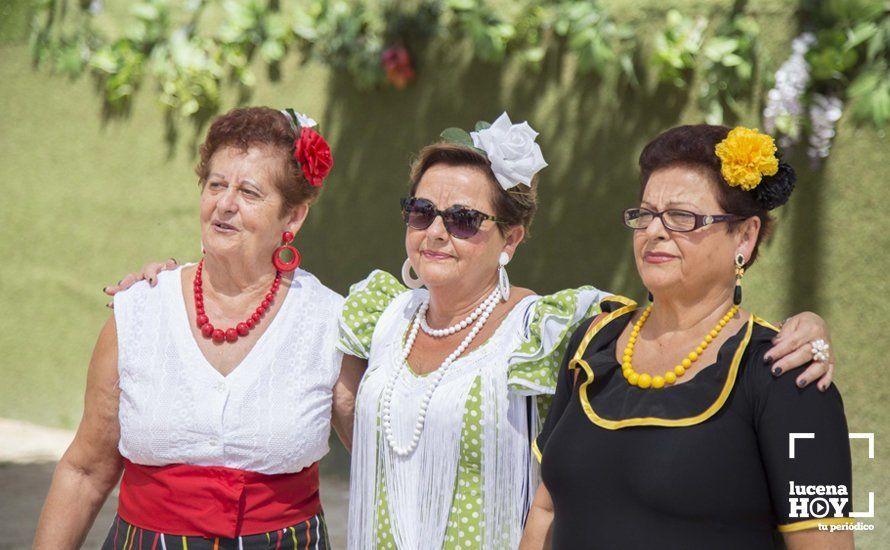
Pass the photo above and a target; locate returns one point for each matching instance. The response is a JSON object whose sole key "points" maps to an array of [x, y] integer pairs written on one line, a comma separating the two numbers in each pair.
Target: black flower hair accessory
{"points": [[775, 190]]}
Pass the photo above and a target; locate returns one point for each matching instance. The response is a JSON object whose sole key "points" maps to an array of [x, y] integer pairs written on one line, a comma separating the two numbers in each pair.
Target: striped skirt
{"points": [[312, 534]]}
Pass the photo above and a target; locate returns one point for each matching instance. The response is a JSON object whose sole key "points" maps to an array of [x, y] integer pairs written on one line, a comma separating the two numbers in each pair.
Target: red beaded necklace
{"points": [[241, 329]]}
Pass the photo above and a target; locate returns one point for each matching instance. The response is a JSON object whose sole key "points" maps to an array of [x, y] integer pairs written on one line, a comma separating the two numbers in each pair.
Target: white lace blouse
{"points": [[270, 415]]}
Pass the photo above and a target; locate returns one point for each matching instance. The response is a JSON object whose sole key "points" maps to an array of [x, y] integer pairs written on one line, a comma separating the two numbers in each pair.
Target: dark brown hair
{"points": [[259, 126], [692, 147], [516, 206]]}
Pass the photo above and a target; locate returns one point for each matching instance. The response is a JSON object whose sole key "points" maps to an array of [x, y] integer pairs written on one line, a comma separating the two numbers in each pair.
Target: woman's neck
{"points": [[233, 276], [685, 311], [451, 304]]}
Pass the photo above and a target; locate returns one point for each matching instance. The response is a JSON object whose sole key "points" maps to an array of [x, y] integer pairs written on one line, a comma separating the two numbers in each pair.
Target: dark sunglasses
{"points": [[674, 219], [460, 222]]}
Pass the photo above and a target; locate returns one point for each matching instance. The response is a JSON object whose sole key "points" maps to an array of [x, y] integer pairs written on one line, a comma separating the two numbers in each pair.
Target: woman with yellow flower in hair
{"points": [[666, 430]]}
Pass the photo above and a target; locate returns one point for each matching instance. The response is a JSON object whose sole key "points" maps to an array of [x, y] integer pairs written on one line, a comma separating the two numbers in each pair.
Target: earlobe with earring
{"points": [[503, 280], [282, 265], [410, 282], [739, 273]]}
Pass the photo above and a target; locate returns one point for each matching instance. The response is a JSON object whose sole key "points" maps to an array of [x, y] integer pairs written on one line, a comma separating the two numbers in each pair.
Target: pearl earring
{"points": [[503, 280]]}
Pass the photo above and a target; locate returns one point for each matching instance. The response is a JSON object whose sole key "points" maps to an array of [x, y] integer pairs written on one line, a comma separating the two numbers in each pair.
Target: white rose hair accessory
{"points": [[514, 156]]}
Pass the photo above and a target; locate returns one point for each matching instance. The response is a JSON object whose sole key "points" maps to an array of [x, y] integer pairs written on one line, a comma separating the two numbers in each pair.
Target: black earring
{"points": [[739, 273]]}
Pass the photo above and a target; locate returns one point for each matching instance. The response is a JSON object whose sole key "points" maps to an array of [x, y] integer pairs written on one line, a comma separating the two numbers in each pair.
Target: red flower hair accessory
{"points": [[314, 155], [311, 150]]}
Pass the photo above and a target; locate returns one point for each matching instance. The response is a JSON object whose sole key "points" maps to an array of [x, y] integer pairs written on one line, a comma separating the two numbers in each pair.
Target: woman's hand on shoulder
{"points": [[792, 348], [148, 273]]}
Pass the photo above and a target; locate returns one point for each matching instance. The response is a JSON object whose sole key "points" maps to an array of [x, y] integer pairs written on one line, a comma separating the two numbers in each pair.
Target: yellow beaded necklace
{"points": [[644, 380]]}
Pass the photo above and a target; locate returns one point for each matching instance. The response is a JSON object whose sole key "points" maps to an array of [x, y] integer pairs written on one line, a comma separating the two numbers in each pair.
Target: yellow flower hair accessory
{"points": [[746, 156]]}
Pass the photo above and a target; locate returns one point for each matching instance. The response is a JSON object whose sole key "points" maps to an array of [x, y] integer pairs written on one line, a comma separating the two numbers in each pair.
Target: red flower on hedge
{"points": [[314, 155], [397, 64]]}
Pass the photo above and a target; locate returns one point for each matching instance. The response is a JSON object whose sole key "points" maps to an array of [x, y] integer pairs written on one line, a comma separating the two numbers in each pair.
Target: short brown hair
{"points": [[259, 126], [516, 206], [692, 147]]}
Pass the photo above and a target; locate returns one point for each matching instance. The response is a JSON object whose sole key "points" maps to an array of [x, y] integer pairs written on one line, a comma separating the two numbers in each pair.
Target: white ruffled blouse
{"points": [[469, 482]]}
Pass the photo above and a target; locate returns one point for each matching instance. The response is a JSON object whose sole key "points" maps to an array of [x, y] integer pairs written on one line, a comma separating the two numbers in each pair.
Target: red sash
{"points": [[211, 501]]}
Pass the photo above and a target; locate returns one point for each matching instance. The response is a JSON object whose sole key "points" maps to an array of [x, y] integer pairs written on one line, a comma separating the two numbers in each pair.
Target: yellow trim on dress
{"points": [[764, 323], [536, 451], [813, 523], [651, 420], [592, 330]]}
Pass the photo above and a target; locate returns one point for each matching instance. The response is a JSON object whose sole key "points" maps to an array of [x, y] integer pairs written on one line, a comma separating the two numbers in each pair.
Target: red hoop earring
{"points": [[285, 266]]}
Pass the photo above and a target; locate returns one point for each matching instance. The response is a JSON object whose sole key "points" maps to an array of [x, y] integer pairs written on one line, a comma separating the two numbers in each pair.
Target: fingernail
{"points": [[104, 289], [108, 305], [777, 371], [801, 383], [768, 360], [174, 260], [822, 387]]}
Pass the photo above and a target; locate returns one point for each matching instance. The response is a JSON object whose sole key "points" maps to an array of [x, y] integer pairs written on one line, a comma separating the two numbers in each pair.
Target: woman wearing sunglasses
{"points": [[459, 373], [667, 430]]}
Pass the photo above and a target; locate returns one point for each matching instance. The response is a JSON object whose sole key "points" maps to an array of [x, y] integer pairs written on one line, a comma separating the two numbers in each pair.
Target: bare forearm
{"points": [[345, 392], [75, 498], [537, 529], [342, 422]]}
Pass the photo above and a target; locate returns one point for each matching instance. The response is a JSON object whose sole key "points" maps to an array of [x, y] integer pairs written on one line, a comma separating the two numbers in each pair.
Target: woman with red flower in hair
{"points": [[211, 391]]}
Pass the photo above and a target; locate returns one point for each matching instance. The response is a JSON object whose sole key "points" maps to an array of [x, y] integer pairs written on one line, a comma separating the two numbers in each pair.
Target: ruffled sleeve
{"points": [[549, 323], [365, 303]]}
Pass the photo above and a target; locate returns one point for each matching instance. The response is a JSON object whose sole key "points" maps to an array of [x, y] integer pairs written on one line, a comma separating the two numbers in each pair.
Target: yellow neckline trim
{"points": [[650, 420], [592, 330], [764, 323], [812, 524]]}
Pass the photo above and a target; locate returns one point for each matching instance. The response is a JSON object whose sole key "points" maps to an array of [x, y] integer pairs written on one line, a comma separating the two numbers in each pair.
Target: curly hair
{"points": [[693, 147], [247, 127]]}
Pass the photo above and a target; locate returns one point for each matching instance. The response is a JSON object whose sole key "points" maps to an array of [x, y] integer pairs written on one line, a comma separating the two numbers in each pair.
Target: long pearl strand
{"points": [[486, 308]]}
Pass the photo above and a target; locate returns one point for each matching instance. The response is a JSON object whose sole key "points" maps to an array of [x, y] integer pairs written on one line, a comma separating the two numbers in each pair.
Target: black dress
{"points": [[702, 464]]}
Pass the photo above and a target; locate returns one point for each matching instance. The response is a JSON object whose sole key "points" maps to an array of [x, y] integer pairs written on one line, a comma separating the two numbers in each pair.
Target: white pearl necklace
{"points": [[486, 308], [440, 332]]}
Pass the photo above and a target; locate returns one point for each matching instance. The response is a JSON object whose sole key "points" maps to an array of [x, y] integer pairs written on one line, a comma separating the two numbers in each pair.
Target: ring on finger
{"points": [[819, 349]]}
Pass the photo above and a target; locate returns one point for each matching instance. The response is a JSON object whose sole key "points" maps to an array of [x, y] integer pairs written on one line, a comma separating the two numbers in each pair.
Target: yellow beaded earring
{"points": [[739, 273]]}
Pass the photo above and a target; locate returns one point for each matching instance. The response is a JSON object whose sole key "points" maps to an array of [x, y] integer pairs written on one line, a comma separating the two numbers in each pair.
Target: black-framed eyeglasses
{"points": [[674, 219], [460, 222]]}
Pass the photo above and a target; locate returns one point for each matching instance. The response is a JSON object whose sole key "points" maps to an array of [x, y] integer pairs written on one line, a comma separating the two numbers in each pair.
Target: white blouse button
{"points": [[221, 387]]}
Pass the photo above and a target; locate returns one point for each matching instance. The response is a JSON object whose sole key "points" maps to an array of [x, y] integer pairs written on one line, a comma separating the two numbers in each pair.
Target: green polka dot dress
{"points": [[470, 480]]}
